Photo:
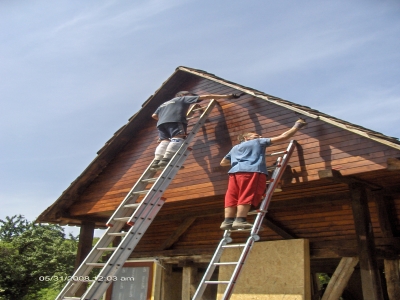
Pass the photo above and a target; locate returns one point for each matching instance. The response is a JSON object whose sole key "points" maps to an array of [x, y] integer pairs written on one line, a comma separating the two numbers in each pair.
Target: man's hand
{"points": [[300, 123], [236, 96]]}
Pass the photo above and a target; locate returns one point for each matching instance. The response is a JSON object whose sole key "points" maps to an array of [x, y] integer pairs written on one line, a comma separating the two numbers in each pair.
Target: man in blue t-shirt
{"points": [[248, 175], [172, 123]]}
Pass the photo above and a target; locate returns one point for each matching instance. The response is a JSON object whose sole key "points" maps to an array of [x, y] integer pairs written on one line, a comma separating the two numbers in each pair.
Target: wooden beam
{"points": [[336, 176], [188, 281], [84, 246], [340, 278], [278, 229], [392, 274], [178, 233], [371, 284], [85, 242]]}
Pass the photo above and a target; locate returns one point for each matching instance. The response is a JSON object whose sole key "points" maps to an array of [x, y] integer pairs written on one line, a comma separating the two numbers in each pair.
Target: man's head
{"points": [[184, 93], [248, 136]]}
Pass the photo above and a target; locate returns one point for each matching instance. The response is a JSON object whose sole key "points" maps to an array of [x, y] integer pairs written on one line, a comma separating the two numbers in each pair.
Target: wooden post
{"points": [[84, 246], [86, 234], [392, 272], [166, 282], [371, 284], [340, 278], [188, 282]]}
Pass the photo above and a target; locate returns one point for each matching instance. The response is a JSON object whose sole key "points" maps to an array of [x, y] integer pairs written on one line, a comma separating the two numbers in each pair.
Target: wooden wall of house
{"points": [[321, 146], [328, 225]]}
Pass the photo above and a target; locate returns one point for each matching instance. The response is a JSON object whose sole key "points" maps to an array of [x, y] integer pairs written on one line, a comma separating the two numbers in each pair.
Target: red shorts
{"points": [[245, 188]]}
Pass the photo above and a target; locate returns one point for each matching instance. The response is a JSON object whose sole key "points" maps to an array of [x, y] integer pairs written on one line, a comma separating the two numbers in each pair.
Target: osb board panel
{"points": [[321, 146], [273, 270]]}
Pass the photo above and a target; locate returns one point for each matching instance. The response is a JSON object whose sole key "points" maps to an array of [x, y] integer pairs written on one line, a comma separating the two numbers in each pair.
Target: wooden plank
{"points": [[340, 278], [188, 282], [392, 275], [371, 284]]}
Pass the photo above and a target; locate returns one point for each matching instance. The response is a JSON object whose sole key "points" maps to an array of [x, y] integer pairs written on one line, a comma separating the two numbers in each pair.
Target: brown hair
{"points": [[241, 137]]}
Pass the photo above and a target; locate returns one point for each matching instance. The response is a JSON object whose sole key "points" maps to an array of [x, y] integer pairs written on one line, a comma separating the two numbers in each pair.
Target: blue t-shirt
{"points": [[175, 110], [249, 156]]}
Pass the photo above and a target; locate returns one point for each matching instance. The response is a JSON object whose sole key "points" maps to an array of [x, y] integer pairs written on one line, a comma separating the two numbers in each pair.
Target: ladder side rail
{"points": [[121, 211], [276, 176], [200, 121], [235, 275], [94, 255], [83, 270], [139, 185], [174, 164], [211, 267], [118, 258], [158, 188], [180, 154], [163, 181]]}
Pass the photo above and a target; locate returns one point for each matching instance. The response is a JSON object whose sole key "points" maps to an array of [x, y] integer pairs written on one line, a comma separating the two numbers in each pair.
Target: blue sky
{"points": [[73, 72]]}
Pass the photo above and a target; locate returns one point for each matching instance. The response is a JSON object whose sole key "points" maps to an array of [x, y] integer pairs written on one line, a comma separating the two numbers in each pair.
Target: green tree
{"points": [[33, 257]]}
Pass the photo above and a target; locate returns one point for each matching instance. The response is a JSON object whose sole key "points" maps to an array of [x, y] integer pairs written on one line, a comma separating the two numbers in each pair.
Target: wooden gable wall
{"points": [[321, 146]]}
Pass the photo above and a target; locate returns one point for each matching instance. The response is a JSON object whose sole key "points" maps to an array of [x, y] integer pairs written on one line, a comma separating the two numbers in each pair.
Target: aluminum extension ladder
{"points": [[138, 215], [279, 168]]}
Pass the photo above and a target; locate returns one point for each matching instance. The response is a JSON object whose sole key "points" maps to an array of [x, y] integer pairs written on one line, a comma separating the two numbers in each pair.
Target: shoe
{"points": [[226, 225], [241, 225], [163, 162], [155, 165]]}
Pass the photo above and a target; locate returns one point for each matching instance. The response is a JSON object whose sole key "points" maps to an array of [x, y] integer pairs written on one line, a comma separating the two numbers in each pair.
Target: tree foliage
{"points": [[33, 257]]}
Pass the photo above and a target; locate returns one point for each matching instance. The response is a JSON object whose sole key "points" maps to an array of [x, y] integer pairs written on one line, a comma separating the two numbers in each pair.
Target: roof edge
{"points": [[314, 114]]}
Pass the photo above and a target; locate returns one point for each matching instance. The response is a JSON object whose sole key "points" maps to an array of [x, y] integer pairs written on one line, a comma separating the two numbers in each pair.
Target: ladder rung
{"points": [[140, 192], [217, 282], [234, 245], [96, 264], [107, 248], [81, 281], [277, 153], [254, 212], [240, 230], [117, 233], [226, 263], [71, 298], [200, 108], [150, 179], [124, 219], [133, 205]]}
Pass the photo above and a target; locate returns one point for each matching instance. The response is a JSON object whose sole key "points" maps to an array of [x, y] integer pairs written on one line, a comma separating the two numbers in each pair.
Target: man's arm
{"points": [[216, 97], [225, 162], [300, 123], [154, 116]]}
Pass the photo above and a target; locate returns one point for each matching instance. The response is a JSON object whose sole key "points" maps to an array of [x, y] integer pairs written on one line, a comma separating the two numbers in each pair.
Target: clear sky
{"points": [[72, 72]]}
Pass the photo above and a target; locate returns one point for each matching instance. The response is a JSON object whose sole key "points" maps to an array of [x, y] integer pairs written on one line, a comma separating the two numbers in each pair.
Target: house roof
{"points": [[167, 90]]}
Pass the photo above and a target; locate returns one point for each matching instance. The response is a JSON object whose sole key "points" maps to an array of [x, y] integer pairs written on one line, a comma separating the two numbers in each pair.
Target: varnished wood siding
{"points": [[326, 223], [321, 146]]}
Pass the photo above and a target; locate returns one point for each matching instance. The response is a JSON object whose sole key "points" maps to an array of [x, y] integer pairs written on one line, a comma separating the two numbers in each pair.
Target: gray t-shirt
{"points": [[175, 110]]}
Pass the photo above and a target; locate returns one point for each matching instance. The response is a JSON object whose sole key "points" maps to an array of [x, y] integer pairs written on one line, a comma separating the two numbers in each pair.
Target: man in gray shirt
{"points": [[172, 123]]}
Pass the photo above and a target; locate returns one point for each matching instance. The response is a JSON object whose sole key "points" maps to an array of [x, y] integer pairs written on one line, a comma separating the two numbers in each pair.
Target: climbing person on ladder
{"points": [[248, 175], [172, 123]]}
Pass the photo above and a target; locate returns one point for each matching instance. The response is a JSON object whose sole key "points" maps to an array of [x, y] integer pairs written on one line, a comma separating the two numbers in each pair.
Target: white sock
{"points": [[160, 150], [173, 146]]}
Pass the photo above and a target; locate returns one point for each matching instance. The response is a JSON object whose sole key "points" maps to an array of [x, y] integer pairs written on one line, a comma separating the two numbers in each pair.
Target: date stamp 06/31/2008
{"points": [[85, 278]]}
